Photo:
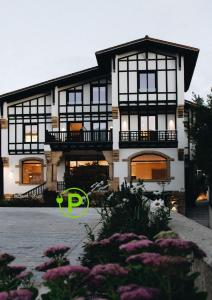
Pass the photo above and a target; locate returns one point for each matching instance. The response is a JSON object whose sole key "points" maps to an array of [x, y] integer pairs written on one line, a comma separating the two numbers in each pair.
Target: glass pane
{"points": [[102, 126], [27, 129], [28, 138], [32, 172], [143, 82], [95, 95], [95, 126], [149, 170], [71, 98], [151, 122], [151, 82], [34, 128], [144, 126], [34, 138], [78, 97], [102, 90]]}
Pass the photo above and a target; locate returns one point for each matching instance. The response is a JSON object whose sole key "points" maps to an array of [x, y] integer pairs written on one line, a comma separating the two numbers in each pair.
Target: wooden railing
{"points": [[88, 136], [148, 136]]}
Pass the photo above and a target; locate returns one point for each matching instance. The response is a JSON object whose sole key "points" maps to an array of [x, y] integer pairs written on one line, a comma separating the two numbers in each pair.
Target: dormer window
{"points": [[147, 82], [98, 94]]}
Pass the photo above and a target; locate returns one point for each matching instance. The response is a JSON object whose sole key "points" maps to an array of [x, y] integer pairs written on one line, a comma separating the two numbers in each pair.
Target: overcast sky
{"points": [[43, 39]]}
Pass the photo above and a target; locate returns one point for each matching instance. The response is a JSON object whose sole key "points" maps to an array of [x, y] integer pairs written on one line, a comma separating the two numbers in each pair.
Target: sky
{"points": [[44, 39]]}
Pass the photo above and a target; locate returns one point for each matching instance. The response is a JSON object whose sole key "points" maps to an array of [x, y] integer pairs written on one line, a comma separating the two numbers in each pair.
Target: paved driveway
{"points": [[27, 232]]}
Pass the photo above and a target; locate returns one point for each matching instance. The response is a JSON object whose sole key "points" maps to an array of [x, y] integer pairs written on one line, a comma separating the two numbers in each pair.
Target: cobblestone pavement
{"points": [[27, 232]]}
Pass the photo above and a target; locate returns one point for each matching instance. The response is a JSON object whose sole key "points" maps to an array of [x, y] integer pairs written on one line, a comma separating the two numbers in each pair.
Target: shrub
{"points": [[129, 210], [15, 281]]}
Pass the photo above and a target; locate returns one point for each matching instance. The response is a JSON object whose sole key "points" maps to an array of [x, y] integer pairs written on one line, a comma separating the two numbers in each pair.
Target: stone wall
{"points": [[202, 236]]}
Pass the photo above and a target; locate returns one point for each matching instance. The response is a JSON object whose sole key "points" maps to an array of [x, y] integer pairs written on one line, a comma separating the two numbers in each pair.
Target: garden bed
{"points": [[134, 256]]}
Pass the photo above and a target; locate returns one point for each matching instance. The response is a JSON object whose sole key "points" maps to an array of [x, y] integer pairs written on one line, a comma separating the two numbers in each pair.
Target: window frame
{"points": [[74, 92], [98, 86], [138, 81], [24, 132], [36, 161], [167, 160]]}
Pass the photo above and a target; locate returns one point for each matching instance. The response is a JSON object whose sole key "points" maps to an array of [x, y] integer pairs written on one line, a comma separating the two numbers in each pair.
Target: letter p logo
{"points": [[75, 198], [72, 202]]}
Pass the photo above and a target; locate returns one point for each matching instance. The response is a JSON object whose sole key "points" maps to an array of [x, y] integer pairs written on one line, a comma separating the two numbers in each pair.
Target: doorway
{"points": [[75, 132]]}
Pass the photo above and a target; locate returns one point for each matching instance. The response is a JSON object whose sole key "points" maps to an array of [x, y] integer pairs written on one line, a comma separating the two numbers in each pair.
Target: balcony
{"points": [[88, 139], [148, 139]]}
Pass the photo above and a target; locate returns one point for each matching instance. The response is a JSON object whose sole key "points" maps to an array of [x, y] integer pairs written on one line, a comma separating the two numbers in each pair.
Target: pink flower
{"points": [[24, 275], [101, 243], [16, 269], [56, 250], [46, 266], [123, 237], [5, 259], [172, 244], [145, 258], [64, 272], [155, 259], [136, 245], [20, 294], [3, 296], [108, 269], [133, 292]]}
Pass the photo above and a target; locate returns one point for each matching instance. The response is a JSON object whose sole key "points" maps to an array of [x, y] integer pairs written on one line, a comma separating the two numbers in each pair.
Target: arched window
{"points": [[149, 167], [32, 171]]}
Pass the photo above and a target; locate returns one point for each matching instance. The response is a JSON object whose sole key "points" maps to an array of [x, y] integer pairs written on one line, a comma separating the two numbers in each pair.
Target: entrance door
{"points": [[75, 132]]}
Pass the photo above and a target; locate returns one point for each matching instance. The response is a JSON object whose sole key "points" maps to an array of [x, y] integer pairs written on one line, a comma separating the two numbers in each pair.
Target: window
{"points": [[98, 94], [147, 82], [74, 97], [99, 125], [32, 172], [148, 123], [149, 167], [30, 133]]}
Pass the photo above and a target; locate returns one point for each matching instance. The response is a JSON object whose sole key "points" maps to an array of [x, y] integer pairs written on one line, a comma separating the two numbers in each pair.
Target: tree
{"points": [[201, 133]]}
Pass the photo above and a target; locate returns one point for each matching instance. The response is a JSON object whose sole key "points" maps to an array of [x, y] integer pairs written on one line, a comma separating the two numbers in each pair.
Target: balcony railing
{"points": [[79, 139], [164, 138]]}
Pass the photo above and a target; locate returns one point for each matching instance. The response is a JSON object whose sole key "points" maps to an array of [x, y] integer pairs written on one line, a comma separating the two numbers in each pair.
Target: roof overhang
{"points": [[47, 86]]}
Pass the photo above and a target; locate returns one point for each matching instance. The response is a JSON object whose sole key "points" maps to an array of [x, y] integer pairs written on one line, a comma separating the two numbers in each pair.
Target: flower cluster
{"points": [[172, 246], [137, 245], [56, 250], [135, 292], [57, 258], [157, 260], [64, 272], [21, 294]]}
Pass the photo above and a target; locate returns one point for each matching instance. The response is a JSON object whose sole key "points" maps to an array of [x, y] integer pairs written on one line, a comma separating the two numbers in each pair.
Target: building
{"points": [[127, 113]]}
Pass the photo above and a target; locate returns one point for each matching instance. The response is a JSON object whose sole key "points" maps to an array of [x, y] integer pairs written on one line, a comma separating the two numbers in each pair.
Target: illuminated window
{"points": [[30, 133], [32, 172], [149, 167]]}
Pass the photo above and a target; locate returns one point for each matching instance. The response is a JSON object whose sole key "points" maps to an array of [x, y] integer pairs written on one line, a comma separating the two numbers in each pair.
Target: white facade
{"points": [[139, 95]]}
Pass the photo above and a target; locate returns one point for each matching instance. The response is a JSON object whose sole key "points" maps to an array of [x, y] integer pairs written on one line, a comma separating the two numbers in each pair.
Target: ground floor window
{"points": [[149, 167], [32, 172]]}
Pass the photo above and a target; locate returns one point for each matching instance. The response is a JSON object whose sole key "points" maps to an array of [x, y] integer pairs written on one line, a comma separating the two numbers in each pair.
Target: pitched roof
{"points": [[147, 43], [103, 58]]}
